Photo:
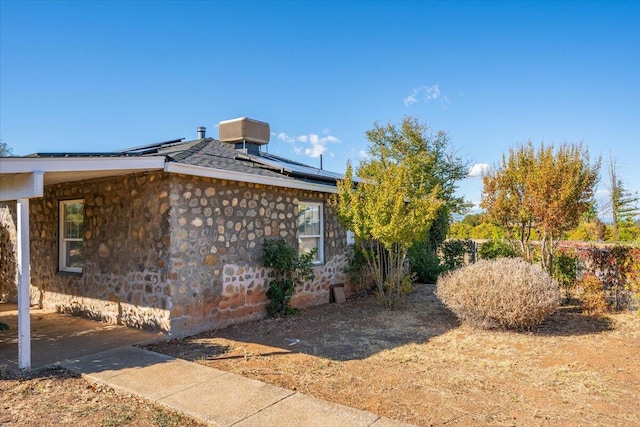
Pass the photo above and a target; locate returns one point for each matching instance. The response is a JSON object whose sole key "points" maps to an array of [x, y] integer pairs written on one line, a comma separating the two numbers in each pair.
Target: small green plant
{"points": [[455, 251], [493, 249], [288, 270], [4, 327], [168, 419], [424, 262], [122, 417], [564, 271], [358, 271]]}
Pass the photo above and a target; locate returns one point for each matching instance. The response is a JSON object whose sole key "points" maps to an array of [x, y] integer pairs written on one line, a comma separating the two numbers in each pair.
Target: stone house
{"points": [[166, 236]]}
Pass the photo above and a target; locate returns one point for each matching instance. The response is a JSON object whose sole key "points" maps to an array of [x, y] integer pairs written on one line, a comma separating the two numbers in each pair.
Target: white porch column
{"points": [[24, 278]]}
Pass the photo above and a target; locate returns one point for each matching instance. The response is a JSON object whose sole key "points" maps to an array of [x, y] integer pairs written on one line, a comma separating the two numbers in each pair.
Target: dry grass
{"points": [[56, 397], [417, 364]]}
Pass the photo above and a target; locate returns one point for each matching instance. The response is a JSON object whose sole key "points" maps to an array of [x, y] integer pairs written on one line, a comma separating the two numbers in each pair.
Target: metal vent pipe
{"points": [[201, 132]]}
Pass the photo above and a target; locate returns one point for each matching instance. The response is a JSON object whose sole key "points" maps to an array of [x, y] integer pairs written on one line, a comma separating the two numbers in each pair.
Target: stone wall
{"points": [[175, 253], [126, 239], [8, 262], [218, 228]]}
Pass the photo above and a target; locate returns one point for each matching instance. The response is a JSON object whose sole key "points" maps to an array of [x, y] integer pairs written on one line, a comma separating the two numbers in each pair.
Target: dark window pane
{"points": [[307, 244], [74, 254]]}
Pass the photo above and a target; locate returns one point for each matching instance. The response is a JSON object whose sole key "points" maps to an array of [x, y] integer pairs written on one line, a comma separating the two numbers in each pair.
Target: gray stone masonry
{"points": [[217, 230], [168, 252]]}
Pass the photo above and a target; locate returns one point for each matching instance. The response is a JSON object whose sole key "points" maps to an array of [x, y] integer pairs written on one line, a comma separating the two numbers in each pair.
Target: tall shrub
{"points": [[501, 293], [493, 249], [455, 253], [565, 271], [425, 263], [423, 255]]}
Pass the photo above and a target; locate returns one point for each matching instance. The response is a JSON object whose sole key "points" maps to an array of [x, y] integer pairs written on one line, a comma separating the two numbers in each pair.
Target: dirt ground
{"points": [[56, 397], [417, 364]]}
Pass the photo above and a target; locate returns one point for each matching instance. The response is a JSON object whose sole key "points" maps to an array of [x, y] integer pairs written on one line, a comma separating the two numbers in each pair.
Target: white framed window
{"points": [[311, 230], [71, 229]]}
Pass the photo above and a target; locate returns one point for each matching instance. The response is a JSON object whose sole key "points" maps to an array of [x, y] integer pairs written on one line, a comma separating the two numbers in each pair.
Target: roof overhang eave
{"points": [[25, 177], [185, 169], [9, 165]]}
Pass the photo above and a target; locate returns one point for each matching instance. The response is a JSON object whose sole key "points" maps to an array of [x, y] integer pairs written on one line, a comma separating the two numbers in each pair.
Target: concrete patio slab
{"points": [[56, 337]]}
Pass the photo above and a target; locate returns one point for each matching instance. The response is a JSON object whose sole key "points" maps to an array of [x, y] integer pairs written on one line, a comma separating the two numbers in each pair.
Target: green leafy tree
{"points": [[628, 232], [492, 249], [590, 228], [547, 189], [5, 150], [588, 232], [487, 230], [460, 230], [474, 220], [405, 184], [624, 206], [475, 226]]}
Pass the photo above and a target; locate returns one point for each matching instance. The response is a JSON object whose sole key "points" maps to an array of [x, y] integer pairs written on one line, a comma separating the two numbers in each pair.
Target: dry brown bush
{"points": [[592, 295], [500, 293]]}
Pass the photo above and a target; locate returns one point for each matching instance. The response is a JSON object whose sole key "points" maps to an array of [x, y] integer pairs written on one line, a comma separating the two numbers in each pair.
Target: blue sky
{"points": [[100, 76]]}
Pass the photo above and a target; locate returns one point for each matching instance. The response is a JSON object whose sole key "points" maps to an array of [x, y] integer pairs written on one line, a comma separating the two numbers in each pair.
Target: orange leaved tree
{"points": [[545, 189]]}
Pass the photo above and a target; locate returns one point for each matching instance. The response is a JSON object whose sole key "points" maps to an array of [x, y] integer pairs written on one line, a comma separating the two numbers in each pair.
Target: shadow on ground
{"points": [[570, 321], [356, 329], [49, 372]]}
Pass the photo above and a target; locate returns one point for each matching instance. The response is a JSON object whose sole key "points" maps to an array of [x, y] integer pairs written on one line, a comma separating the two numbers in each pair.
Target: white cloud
{"points": [[312, 145], [332, 139], [319, 144], [426, 94], [479, 169], [286, 138], [411, 99]]}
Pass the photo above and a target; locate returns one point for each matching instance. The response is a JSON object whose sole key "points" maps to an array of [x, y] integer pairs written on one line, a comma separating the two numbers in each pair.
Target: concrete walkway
{"points": [[216, 397]]}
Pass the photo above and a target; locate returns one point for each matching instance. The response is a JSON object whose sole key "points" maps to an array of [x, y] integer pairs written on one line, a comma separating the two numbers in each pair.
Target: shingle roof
{"points": [[211, 153]]}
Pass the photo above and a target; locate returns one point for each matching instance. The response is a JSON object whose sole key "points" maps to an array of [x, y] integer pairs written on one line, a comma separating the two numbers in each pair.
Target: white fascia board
{"points": [[22, 186], [172, 167], [11, 165]]}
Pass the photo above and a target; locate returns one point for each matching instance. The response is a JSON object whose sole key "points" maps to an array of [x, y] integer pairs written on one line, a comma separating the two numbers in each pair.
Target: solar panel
{"points": [[296, 168]]}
